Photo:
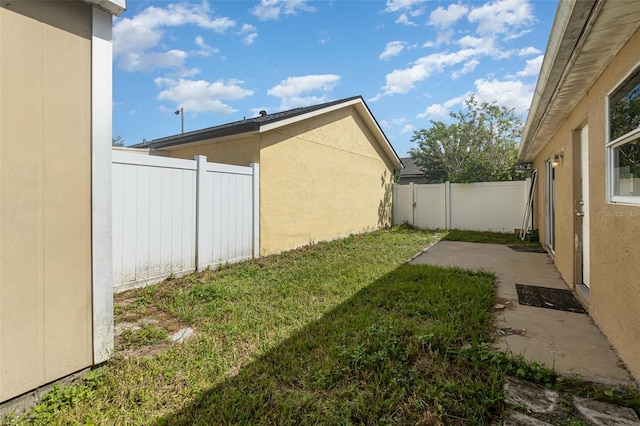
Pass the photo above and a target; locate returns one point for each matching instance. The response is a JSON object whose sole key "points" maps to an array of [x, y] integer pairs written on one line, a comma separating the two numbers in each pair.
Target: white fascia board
{"points": [[114, 7], [301, 117]]}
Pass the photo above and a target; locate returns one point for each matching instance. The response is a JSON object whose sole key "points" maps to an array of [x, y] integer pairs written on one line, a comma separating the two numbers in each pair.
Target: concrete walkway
{"points": [[566, 341]]}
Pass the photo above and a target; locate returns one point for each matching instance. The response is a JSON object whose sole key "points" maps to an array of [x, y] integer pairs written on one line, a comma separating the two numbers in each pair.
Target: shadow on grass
{"points": [[397, 352]]}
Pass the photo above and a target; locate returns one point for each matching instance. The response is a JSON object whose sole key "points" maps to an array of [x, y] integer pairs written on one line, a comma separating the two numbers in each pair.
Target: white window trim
{"points": [[612, 144]]}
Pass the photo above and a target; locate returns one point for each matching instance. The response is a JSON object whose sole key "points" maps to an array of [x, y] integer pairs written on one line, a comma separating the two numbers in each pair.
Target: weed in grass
{"points": [[63, 398], [146, 335]]}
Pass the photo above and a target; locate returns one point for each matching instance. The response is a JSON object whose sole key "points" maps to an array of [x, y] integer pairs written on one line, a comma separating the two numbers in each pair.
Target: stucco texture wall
{"points": [[321, 179], [240, 152], [45, 193], [615, 228]]}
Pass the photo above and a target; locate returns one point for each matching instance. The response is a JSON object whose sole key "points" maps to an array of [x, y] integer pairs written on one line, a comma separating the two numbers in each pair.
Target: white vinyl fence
{"points": [[484, 206], [173, 216]]}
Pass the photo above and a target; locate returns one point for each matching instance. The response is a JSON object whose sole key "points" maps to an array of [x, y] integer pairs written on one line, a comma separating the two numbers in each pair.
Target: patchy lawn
{"points": [[344, 332]]}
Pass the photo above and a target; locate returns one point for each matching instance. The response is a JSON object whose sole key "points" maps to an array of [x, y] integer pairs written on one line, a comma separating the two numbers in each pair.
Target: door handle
{"points": [[580, 214]]}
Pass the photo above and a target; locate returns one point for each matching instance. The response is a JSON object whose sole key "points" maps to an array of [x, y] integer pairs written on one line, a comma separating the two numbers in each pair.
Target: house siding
{"points": [[322, 178], [45, 193], [615, 228]]}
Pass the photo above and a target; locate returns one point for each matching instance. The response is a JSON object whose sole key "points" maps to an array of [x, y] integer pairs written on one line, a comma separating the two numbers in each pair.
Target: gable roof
{"points": [[586, 35], [266, 122], [411, 168]]}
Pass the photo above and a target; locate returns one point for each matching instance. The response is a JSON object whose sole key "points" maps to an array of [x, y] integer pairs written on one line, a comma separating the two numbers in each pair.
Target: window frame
{"points": [[611, 145]]}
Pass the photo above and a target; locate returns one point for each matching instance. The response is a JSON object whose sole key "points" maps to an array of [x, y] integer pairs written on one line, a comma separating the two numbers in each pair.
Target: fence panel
{"points": [[172, 216], [484, 206], [490, 206], [226, 214]]}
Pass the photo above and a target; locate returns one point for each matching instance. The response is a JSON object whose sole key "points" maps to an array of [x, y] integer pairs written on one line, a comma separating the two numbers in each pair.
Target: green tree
{"points": [[117, 141], [480, 145]]}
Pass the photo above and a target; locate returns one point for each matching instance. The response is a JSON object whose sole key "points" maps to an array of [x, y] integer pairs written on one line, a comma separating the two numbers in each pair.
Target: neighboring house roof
{"points": [[114, 7], [585, 37], [411, 168], [265, 122]]}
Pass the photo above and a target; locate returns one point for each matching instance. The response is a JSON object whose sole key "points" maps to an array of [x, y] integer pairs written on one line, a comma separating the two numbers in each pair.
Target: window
{"points": [[623, 141]]}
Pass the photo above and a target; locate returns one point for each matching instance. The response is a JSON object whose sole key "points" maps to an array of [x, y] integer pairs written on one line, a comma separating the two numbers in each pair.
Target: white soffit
{"points": [[114, 7], [586, 36]]}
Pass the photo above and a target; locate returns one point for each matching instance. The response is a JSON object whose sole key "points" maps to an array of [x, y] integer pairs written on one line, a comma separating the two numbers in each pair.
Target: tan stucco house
{"points": [[56, 304], [326, 171], [582, 136]]}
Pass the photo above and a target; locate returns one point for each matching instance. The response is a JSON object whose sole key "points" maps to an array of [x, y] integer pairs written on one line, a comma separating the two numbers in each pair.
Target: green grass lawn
{"points": [[490, 237], [343, 332]]}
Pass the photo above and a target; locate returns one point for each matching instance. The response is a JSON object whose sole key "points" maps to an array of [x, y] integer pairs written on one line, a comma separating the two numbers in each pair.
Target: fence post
{"points": [[394, 207], [447, 205], [413, 203], [255, 167], [201, 170]]}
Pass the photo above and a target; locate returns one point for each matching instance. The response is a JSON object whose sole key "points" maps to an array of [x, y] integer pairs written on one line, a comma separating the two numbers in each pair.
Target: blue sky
{"points": [[411, 60]]}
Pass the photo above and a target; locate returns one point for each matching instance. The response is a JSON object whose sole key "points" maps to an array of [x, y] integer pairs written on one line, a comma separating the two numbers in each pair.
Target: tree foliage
{"points": [[117, 141], [480, 145]]}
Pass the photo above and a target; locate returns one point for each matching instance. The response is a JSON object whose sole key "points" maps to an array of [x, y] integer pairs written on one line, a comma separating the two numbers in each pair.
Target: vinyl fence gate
{"points": [[173, 216]]}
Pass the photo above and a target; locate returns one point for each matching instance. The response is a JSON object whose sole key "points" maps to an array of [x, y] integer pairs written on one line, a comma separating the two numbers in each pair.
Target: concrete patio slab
{"points": [[568, 342]]}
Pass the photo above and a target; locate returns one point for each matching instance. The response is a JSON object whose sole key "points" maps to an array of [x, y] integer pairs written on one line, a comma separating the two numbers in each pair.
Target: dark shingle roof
{"points": [[411, 168], [236, 127]]}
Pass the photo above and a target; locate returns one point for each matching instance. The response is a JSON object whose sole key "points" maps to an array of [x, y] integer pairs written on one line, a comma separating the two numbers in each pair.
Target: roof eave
{"points": [[200, 136], [586, 36], [114, 7], [550, 74]]}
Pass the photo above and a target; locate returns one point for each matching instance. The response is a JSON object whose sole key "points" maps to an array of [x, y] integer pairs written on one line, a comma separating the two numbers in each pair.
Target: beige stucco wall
{"points": [[322, 178], [240, 152], [45, 193], [615, 228]]}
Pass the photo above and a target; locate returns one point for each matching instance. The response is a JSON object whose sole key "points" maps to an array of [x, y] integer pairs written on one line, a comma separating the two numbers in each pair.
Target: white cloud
{"points": [[134, 37], [439, 111], [528, 51], [271, 9], [294, 86], [404, 20], [249, 33], [205, 49], [434, 112], [295, 91], [406, 9], [409, 128], [445, 18], [509, 93], [402, 5], [404, 80], [468, 67], [501, 16], [532, 67], [393, 48], [201, 95]]}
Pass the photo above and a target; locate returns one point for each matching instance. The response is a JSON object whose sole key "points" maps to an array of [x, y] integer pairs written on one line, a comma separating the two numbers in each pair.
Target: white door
{"points": [[584, 166]]}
